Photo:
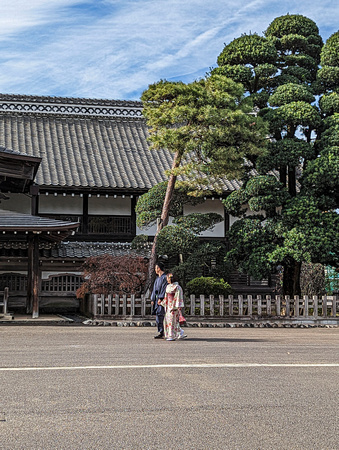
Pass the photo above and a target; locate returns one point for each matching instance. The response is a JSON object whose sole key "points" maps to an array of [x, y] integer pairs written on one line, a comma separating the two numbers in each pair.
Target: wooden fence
{"points": [[241, 306]]}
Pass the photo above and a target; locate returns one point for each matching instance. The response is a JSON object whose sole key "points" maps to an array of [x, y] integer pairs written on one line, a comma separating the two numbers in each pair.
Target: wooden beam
{"points": [[36, 278]]}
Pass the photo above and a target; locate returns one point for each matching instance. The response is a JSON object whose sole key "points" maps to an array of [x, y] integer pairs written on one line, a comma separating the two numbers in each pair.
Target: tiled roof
{"points": [[14, 221], [74, 250], [84, 143], [81, 250]]}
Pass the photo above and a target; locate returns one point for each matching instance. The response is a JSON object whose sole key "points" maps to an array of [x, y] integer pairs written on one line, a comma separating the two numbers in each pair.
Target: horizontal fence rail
{"points": [[214, 307]]}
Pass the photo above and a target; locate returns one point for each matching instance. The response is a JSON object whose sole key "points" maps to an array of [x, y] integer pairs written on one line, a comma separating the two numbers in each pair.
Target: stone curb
{"points": [[105, 323]]}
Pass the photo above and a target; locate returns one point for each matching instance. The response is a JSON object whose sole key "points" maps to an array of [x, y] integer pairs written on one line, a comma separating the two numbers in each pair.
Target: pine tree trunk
{"points": [[162, 223]]}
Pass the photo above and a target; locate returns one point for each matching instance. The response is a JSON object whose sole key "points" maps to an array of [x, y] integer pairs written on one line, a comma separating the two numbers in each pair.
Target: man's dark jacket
{"points": [[158, 292]]}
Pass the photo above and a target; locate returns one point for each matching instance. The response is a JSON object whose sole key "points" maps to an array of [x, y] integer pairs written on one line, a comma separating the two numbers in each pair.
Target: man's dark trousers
{"points": [[159, 318]]}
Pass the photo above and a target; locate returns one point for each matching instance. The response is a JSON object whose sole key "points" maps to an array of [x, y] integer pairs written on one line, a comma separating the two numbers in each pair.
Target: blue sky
{"points": [[115, 48]]}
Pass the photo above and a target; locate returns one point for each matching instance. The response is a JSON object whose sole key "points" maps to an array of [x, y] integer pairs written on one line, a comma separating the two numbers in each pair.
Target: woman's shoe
{"points": [[170, 339]]}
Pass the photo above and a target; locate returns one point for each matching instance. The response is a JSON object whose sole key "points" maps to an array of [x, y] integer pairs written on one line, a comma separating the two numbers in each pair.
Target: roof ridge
{"points": [[70, 100]]}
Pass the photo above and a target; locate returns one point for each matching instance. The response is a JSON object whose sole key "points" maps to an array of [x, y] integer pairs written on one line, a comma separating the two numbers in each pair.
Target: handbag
{"points": [[182, 319]]}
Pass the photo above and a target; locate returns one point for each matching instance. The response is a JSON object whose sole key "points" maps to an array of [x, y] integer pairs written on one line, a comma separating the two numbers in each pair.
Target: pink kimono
{"points": [[173, 300]]}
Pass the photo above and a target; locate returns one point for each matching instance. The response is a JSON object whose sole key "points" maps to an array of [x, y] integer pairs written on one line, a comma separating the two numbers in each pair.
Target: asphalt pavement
{"points": [[118, 388]]}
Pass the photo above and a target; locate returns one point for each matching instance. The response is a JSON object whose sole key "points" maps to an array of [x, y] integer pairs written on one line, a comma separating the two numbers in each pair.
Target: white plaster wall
{"points": [[208, 206], [152, 230], [50, 204], [17, 202], [109, 206]]}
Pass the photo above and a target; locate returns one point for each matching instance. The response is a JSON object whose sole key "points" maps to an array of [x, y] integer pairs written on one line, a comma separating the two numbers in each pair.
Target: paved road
{"points": [[117, 388]]}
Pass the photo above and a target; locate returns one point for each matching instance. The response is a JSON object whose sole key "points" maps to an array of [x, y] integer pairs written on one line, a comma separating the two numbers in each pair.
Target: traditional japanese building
{"points": [[94, 163]]}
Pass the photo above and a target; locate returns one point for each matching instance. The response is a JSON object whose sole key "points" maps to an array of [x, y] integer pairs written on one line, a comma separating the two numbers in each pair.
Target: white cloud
{"points": [[115, 48]]}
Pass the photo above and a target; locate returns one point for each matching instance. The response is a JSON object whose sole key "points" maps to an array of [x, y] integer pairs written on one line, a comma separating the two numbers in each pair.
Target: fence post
{"points": [[211, 305], [268, 305], [288, 305], [132, 305], [324, 305], [95, 305], [315, 306], [221, 305], [143, 305], [202, 305], [250, 305], [240, 305], [117, 304], [305, 305], [296, 306], [230, 303], [192, 305], [334, 306], [124, 305], [5, 300], [278, 305], [259, 305], [109, 304]]}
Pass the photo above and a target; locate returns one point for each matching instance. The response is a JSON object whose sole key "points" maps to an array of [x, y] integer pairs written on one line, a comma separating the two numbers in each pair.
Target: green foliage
{"points": [[248, 49], [252, 239], [249, 60], [235, 203], [321, 176], [139, 242], [311, 234], [292, 24], [265, 193], [328, 75], [298, 113], [208, 122], [329, 103], [173, 240], [286, 152], [262, 194], [329, 53], [204, 258], [149, 205], [290, 92], [298, 221], [197, 222], [208, 286]]}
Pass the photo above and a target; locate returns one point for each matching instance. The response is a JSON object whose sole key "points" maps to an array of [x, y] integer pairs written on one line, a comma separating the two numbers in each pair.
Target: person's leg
{"points": [[159, 318], [160, 323]]}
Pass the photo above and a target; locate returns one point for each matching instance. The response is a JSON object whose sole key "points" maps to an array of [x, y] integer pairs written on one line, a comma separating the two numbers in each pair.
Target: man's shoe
{"points": [[159, 336]]}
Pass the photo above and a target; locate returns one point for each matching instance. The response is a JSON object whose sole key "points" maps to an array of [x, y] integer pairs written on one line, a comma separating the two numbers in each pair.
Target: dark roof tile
{"points": [[83, 143]]}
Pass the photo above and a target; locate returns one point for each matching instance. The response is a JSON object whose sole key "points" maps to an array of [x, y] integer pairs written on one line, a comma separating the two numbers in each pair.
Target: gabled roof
{"points": [[85, 143], [17, 223]]}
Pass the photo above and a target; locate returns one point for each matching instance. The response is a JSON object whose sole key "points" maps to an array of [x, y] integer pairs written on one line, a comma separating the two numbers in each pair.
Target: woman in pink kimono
{"points": [[173, 302]]}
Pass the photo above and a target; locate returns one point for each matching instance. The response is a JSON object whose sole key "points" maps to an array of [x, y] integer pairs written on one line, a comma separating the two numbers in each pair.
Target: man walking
{"points": [[158, 293]]}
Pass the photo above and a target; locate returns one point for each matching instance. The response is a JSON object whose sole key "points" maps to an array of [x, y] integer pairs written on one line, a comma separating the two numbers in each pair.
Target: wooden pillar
{"points": [[133, 216], [29, 298], [33, 283], [34, 191], [85, 214]]}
